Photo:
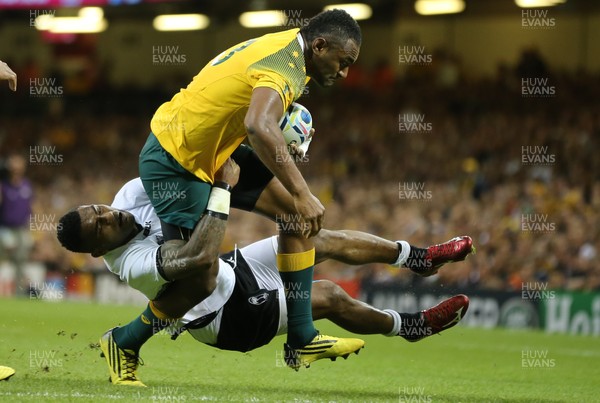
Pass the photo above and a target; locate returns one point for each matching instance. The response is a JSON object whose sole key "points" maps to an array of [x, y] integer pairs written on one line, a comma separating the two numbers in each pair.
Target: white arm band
{"points": [[219, 200]]}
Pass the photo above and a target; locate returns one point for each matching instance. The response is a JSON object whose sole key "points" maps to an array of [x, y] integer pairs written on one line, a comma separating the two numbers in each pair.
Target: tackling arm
{"points": [[182, 259]]}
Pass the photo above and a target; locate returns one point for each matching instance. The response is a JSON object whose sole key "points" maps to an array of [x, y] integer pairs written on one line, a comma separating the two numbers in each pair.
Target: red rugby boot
{"points": [[454, 250], [432, 321]]}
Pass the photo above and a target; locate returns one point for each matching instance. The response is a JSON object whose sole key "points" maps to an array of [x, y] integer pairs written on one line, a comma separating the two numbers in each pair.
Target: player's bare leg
{"points": [[331, 302], [356, 247]]}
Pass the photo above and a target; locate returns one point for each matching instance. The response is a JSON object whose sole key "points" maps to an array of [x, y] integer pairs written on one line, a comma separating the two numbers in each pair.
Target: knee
{"points": [[323, 242], [290, 223]]}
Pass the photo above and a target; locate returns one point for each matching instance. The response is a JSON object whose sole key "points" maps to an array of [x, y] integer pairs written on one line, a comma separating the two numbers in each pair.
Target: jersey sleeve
{"points": [[136, 265], [132, 195], [278, 84]]}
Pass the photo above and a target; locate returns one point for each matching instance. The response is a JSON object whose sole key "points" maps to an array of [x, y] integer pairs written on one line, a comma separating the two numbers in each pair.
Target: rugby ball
{"points": [[296, 124]]}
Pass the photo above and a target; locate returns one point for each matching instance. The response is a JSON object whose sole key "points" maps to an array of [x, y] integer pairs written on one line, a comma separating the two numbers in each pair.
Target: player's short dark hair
{"points": [[336, 24], [68, 232]]}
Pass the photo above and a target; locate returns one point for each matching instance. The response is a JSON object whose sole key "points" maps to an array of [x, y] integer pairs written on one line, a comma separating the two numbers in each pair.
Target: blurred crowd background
{"points": [[468, 164]]}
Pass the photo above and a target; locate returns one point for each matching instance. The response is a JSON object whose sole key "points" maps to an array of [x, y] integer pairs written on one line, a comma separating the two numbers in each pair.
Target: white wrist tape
{"points": [[219, 201], [304, 146]]}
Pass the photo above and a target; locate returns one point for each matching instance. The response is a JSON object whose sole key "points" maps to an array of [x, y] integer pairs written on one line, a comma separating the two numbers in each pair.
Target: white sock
{"points": [[403, 255], [397, 322]]}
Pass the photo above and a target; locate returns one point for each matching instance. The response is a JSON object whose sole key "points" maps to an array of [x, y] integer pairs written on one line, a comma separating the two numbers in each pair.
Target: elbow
{"points": [[251, 124], [194, 260], [185, 268], [201, 262], [205, 271], [259, 127]]}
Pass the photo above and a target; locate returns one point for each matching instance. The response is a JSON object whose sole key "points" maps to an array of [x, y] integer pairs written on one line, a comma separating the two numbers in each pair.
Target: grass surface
{"points": [[53, 348]]}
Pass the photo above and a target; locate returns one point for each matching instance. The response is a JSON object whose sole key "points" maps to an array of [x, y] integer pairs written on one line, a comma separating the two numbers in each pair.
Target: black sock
{"points": [[416, 258], [413, 326]]}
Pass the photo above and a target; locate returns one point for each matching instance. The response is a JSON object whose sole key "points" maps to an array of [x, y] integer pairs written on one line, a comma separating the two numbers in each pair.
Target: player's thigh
{"points": [[178, 197], [275, 202], [258, 190]]}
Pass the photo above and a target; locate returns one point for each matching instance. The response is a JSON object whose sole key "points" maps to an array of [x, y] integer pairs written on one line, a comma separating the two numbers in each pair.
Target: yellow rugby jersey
{"points": [[203, 124]]}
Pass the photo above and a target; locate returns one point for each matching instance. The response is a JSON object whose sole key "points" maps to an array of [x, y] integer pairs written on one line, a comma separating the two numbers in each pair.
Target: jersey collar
{"points": [[301, 40]]}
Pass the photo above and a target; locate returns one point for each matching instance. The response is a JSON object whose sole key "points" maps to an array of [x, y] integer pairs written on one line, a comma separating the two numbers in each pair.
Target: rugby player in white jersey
{"points": [[243, 303]]}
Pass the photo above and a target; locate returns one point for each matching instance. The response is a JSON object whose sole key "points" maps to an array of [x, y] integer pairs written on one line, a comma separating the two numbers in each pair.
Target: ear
{"points": [[319, 45]]}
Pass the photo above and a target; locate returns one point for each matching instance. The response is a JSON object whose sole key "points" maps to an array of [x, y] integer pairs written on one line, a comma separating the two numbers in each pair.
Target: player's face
{"points": [[104, 228], [330, 61]]}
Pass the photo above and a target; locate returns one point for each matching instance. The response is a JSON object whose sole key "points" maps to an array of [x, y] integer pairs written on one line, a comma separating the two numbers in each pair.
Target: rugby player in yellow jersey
{"points": [[243, 93]]}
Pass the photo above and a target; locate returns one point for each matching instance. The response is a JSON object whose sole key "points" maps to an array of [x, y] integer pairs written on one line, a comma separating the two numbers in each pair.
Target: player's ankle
{"points": [[301, 337], [416, 258], [412, 326]]}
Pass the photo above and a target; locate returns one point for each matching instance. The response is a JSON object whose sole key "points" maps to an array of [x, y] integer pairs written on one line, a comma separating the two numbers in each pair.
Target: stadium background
{"points": [[507, 114]]}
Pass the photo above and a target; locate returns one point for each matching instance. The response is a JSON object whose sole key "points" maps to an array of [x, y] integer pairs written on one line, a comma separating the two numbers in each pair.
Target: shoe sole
{"points": [[345, 357]]}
